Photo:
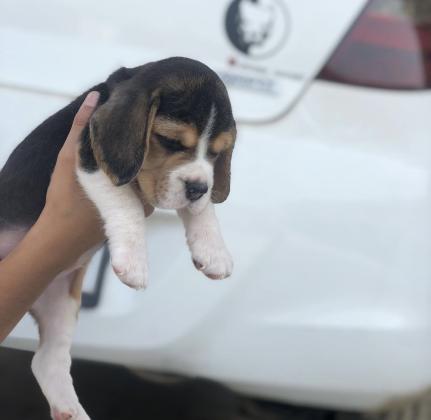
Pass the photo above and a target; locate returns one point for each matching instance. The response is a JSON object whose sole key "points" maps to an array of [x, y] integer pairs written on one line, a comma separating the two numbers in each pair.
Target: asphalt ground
{"points": [[113, 393]]}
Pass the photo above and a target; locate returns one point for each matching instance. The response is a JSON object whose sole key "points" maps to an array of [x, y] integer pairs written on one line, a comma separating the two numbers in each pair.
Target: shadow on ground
{"points": [[113, 393]]}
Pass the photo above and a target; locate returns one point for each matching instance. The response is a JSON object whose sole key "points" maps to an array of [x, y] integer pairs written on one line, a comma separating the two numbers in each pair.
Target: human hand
{"points": [[68, 213]]}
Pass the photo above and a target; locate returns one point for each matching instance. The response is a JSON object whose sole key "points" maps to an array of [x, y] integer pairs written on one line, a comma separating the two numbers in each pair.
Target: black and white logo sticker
{"points": [[257, 28]]}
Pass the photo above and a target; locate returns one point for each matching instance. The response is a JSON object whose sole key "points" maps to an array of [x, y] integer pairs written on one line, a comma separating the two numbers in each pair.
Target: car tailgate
{"points": [[266, 51]]}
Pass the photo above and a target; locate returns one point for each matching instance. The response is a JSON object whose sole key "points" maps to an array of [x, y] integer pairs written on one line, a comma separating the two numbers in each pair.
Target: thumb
{"points": [[85, 110], [81, 119]]}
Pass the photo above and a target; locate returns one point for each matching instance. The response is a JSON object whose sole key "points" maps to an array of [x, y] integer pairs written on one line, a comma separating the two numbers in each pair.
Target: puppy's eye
{"points": [[170, 144]]}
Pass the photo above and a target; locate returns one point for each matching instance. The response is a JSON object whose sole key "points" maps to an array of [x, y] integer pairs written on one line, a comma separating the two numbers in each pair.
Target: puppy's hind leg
{"points": [[56, 313]]}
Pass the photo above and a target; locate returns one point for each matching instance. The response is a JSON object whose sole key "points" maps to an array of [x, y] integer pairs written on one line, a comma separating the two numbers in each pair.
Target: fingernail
{"points": [[92, 99]]}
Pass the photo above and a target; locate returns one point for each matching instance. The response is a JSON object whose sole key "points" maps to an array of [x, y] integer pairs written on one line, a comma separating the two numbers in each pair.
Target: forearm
{"points": [[29, 268]]}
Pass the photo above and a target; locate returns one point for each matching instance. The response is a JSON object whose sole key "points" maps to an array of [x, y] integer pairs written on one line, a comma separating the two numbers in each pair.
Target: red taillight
{"points": [[389, 46]]}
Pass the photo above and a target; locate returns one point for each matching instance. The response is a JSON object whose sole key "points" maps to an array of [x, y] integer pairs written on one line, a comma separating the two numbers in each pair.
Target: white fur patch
{"points": [[124, 221], [205, 136]]}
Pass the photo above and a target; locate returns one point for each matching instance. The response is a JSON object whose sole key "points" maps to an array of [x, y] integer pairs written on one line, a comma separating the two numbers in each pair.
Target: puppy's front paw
{"points": [[130, 265], [211, 257]]}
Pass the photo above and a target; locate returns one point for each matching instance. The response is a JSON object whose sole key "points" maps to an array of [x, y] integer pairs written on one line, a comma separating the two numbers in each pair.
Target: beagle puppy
{"points": [[162, 134]]}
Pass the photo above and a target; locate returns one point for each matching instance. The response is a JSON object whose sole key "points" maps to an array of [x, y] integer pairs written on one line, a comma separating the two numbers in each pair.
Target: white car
{"points": [[329, 217]]}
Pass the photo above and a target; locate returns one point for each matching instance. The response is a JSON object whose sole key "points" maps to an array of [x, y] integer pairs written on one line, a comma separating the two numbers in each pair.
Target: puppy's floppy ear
{"points": [[222, 165], [120, 130]]}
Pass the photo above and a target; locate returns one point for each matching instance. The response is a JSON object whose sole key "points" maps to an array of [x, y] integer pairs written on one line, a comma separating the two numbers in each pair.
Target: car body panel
{"points": [[80, 33]]}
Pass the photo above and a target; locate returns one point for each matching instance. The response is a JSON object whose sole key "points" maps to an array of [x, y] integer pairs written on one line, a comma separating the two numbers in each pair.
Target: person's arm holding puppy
{"points": [[68, 226]]}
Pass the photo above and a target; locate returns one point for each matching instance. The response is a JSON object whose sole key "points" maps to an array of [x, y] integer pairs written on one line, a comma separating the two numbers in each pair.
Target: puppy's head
{"points": [[167, 125]]}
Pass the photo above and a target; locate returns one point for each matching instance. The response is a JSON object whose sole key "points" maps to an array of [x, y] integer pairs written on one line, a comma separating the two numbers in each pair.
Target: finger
{"points": [[68, 151], [81, 119], [86, 109]]}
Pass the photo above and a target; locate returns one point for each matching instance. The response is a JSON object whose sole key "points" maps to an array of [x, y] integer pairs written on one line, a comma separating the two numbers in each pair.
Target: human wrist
{"points": [[52, 248]]}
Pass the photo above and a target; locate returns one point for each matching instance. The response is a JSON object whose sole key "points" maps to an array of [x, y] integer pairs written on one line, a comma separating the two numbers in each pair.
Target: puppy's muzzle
{"points": [[195, 190]]}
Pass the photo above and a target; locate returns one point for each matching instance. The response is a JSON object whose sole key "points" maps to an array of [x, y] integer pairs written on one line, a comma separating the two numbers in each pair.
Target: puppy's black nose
{"points": [[195, 190]]}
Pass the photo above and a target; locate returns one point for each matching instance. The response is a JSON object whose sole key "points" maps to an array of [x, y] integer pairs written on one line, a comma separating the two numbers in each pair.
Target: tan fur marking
{"points": [[97, 150], [185, 133], [150, 123], [154, 176], [221, 186], [222, 142], [75, 290]]}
